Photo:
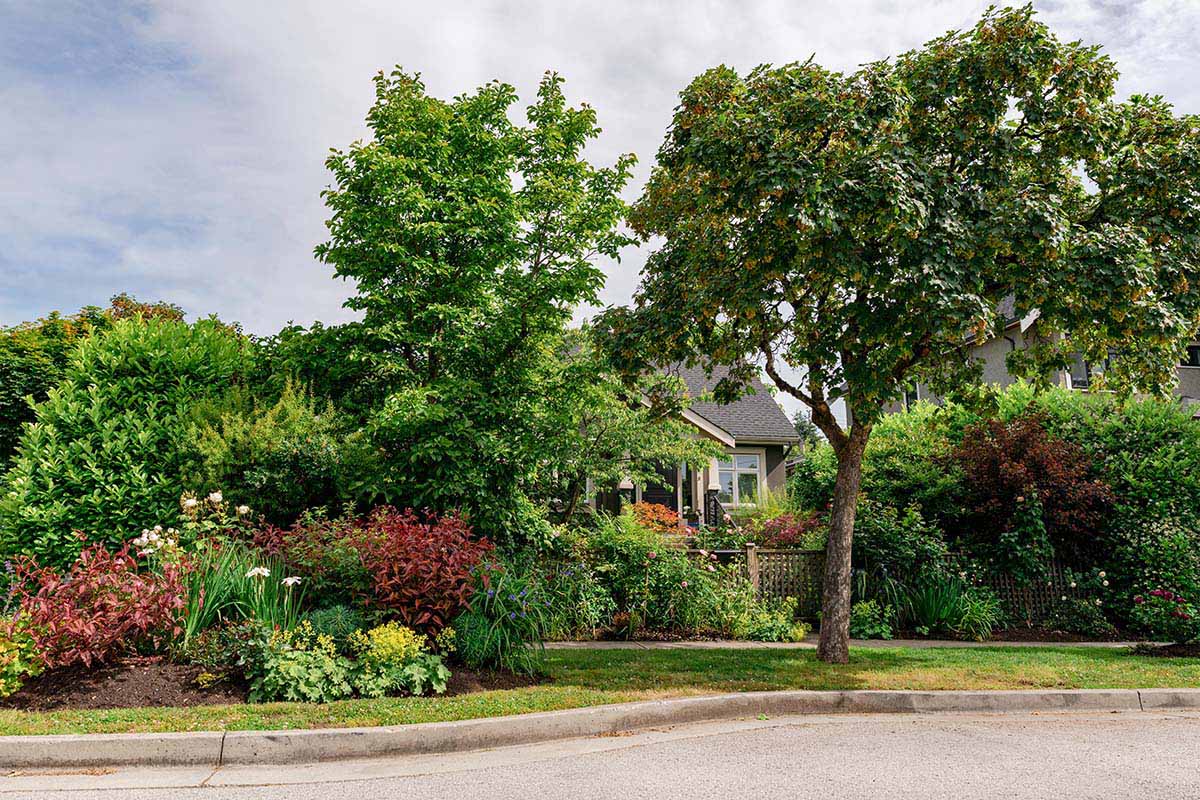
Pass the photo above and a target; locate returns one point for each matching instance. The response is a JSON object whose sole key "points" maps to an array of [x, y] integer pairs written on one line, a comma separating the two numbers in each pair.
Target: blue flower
{"points": [[491, 592], [512, 615], [512, 597]]}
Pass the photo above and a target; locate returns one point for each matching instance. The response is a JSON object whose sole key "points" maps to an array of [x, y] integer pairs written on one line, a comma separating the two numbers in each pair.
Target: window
{"points": [[739, 478], [1192, 359]]}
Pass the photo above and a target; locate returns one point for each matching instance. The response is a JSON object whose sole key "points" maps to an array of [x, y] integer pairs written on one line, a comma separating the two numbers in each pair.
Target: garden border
{"points": [[215, 748]]}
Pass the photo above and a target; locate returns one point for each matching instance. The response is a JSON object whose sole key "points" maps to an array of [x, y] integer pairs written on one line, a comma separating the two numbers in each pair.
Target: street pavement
{"points": [[1118, 755]]}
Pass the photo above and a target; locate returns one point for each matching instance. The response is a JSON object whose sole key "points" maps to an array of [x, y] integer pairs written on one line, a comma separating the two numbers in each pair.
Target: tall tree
{"points": [[470, 239], [861, 228]]}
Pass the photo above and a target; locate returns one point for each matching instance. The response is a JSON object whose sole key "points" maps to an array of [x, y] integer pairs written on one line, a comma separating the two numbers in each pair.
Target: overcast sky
{"points": [[175, 149]]}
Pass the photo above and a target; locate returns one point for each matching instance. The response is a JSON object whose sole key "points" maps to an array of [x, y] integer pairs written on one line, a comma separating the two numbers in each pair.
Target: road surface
{"points": [[1126, 755]]}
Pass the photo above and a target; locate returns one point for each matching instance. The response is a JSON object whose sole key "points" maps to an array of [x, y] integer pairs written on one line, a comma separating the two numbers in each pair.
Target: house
{"points": [[756, 436], [1021, 332]]}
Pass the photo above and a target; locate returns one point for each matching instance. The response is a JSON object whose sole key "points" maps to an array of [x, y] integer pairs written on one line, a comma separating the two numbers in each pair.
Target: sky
{"points": [[175, 150]]}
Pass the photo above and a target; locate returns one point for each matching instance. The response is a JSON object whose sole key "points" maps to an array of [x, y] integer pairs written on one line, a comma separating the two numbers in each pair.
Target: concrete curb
{"points": [[310, 746]]}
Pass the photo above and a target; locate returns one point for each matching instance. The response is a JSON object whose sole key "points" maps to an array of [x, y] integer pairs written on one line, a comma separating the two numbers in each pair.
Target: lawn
{"points": [[593, 677]]}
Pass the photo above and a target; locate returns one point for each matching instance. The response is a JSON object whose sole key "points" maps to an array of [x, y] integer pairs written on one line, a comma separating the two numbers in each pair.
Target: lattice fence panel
{"points": [[1037, 601], [792, 573]]}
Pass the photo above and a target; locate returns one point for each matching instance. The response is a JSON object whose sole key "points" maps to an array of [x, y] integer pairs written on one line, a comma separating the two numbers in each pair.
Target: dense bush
{"points": [[18, 657], [655, 517], [943, 604], [1081, 616], [105, 455], [1029, 494], [99, 608], [392, 659], [580, 603], [1167, 616], [421, 571], [283, 459], [899, 542], [325, 553]]}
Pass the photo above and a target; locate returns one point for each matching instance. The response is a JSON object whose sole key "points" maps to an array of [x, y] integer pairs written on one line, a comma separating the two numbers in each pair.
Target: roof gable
{"points": [[752, 417]]}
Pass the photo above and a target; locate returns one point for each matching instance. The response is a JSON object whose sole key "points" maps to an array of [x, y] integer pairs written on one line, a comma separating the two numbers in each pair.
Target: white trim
{"points": [[718, 433], [762, 472]]}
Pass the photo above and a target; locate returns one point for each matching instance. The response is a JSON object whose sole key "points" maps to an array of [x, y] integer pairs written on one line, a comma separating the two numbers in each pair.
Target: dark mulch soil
{"points": [[465, 681], [1168, 650], [128, 683], [138, 682], [1040, 634]]}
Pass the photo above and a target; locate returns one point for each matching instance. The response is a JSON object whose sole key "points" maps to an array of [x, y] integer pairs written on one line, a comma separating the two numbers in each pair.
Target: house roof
{"points": [[751, 418]]}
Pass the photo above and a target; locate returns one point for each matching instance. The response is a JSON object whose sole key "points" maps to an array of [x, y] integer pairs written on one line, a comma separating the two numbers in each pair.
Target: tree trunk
{"points": [[834, 646]]}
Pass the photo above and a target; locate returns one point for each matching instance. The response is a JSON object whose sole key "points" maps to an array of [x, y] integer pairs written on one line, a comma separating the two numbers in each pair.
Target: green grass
{"points": [[593, 677]]}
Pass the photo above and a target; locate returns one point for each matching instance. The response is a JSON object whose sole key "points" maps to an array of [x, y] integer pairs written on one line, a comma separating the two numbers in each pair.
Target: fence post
{"points": [[752, 566]]}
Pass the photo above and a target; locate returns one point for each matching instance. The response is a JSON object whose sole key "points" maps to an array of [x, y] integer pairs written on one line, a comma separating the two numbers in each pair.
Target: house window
{"points": [[740, 479], [1192, 359]]}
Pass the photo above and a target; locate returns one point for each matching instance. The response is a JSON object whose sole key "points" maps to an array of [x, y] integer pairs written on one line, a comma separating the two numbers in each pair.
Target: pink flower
{"points": [[652, 554], [1138, 599], [683, 584]]}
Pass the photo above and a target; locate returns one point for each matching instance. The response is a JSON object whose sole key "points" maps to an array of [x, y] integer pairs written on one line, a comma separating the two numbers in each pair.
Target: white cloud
{"points": [[176, 149]]}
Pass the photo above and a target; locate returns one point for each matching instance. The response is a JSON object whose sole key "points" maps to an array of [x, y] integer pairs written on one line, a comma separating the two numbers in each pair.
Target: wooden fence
{"points": [[781, 573], [799, 574]]}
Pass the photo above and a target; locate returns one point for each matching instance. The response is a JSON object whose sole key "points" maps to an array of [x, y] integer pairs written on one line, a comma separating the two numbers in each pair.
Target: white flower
{"points": [[1102, 575], [215, 497], [1072, 584], [291, 580], [191, 502], [144, 553], [1063, 598], [1106, 583], [1097, 601], [259, 572], [158, 528], [243, 510]]}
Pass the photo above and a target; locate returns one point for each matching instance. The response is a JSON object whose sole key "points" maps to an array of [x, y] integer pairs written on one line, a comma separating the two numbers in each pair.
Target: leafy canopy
{"points": [[470, 240], [859, 227]]}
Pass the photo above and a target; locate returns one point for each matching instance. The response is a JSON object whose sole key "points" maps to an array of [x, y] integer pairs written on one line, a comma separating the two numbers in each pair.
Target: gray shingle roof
{"points": [[752, 418]]}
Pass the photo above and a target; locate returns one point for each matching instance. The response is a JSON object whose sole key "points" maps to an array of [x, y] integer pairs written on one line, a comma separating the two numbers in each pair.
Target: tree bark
{"points": [[834, 646]]}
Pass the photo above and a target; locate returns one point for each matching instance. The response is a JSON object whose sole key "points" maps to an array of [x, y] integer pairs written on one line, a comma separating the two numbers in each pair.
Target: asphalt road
{"points": [[1127, 755]]}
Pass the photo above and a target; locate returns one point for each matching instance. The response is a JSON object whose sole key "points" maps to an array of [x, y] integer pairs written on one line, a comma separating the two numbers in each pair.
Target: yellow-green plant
{"points": [[18, 658]]}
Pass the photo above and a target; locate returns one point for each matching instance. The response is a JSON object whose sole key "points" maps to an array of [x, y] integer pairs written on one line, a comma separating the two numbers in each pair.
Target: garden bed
{"points": [[154, 682], [1039, 633]]}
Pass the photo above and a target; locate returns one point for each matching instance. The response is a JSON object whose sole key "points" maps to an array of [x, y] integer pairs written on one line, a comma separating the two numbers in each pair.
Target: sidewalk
{"points": [[811, 644]]}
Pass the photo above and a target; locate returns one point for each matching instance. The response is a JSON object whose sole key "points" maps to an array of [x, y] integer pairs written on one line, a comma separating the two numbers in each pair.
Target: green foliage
{"points": [[34, 355], [336, 622], [281, 459], [1167, 615], [229, 582], [18, 657], [771, 620], [300, 666], [393, 659], [898, 542], [105, 454], [870, 620], [469, 240], [943, 604], [1082, 616], [580, 604], [505, 623]]}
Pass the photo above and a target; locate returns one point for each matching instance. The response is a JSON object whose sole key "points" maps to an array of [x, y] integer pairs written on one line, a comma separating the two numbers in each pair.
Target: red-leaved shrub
{"points": [[1005, 463], [101, 607], [788, 530], [325, 553], [420, 569]]}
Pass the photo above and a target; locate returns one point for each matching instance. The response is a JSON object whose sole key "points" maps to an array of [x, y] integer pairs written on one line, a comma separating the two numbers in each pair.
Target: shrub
{"points": [[1152, 553], [1005, 463], [1082, 616], [283, 458], [1167, 616], [105, 453], [805, 531], [870, 620], [18, 657], [299, 666], [336, 622], [772, 620], [505, 623], [393, 659], [325, 553], [655, 584], [897, 542], [942, 604], [101, 607], [656, 517], [420, 571]]}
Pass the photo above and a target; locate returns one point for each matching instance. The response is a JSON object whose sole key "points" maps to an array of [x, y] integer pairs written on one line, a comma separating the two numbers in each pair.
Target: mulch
{"points": [[127, 683], [1168, 650], [153, 681], [1041, 634]]}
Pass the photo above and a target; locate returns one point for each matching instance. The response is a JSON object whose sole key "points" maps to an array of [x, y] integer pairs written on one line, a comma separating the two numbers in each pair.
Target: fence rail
{"points": [[778, 574]]}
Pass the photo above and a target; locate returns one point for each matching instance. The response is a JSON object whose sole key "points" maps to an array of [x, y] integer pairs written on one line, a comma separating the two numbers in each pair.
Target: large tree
{"points": [[470, 239], [860, 230]]}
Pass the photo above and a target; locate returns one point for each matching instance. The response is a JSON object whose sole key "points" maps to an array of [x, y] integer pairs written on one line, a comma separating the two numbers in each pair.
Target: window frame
{"points": [[731, 455]]}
